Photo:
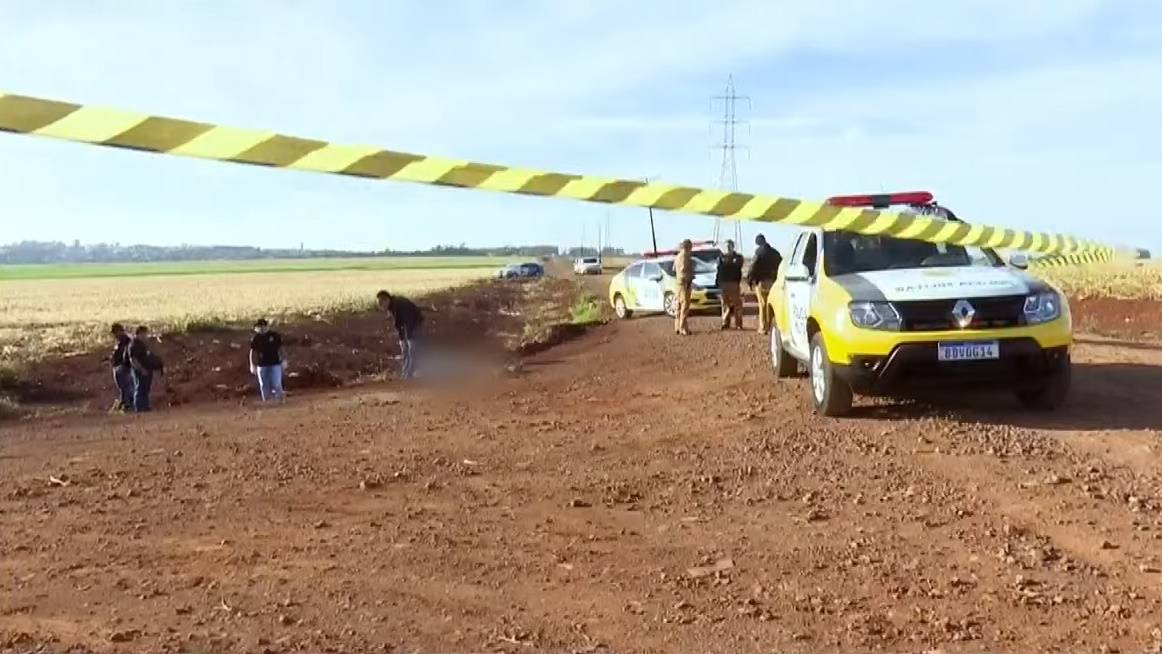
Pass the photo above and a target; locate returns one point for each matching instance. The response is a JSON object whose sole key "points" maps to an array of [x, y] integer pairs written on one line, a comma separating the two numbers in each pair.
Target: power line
{"points": [[728, 172]]}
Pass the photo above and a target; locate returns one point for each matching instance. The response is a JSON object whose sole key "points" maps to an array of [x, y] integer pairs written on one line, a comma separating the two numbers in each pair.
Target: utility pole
{"points": [[728, 173], [653, 234]]}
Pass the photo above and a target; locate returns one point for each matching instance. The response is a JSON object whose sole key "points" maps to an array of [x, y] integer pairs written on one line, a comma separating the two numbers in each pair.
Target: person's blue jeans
{"points": [[409, 348], [142, 382], [270, 383], [123, 377]]}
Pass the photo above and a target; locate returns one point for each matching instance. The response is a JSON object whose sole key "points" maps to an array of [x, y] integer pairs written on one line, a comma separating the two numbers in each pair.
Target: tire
{"points": [[670, 305], [830, 394], [783, 363], [1051, 392], [620, 308]]}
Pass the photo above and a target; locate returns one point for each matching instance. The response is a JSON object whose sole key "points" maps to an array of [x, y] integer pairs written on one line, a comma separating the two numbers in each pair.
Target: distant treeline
{"points": [[57, 252]]}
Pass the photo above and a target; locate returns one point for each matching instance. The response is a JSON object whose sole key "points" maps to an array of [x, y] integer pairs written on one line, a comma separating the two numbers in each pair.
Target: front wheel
{"points": [[1051, 392], [831, 395], [620, 308], [670, 305], [783, 363]]}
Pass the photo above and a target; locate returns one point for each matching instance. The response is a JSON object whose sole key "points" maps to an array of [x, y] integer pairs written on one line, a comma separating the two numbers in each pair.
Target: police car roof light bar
{"points": [[882, 200], [666, 253]]}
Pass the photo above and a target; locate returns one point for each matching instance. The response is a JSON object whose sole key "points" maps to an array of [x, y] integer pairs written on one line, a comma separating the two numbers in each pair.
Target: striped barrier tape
{"points": [[124, 129], [1061, 260]]}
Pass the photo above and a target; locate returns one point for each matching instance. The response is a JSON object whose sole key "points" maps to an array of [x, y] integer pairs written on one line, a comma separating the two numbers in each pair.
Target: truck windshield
{"points": [[845, 252]]}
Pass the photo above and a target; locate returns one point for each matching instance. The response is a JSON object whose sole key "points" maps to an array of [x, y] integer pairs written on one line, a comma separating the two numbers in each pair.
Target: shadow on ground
{"points": [[1104, 396]]}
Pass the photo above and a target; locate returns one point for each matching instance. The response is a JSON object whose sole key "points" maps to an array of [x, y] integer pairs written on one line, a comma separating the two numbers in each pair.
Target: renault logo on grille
{"points": [[962, 313]]}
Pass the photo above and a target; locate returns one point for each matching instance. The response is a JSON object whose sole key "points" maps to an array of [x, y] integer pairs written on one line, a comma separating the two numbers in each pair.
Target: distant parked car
{"points": [[527, 270], [587, 266]]}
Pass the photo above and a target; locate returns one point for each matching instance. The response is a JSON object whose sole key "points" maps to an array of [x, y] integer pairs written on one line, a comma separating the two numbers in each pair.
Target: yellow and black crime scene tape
{"points": [[1060, 260], [124, 129]]}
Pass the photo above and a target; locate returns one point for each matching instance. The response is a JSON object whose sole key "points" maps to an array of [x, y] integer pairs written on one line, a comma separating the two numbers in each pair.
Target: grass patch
{"points": [[587, 310]]}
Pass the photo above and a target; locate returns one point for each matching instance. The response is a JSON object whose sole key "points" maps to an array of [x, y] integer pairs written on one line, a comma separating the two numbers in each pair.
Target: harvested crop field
{"points": [[50, 310], [623, 491]]}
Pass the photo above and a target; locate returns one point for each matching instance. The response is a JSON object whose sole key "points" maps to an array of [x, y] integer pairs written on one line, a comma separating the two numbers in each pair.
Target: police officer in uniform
{"points": [[684, 271], [729, 281], [761, 278]]}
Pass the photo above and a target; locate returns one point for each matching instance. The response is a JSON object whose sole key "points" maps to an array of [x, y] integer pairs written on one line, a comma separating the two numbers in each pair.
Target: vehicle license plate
{"points": [[971, 351]]}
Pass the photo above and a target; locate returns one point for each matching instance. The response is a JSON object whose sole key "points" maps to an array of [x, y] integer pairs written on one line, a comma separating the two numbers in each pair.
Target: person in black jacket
{"points": [[729, 281], [145, 364], [122, 371], [761, 278], [408, 319]]}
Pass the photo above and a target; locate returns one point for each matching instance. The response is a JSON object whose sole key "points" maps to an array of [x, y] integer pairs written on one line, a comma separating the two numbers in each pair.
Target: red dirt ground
{"points": [[628, 490]]}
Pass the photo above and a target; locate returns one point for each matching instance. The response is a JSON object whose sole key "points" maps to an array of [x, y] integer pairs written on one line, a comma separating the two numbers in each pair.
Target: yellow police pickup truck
{"points": [[879, 315]]}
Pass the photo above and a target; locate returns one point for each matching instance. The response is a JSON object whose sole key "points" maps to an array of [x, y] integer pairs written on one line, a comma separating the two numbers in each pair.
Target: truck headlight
{"points": [[1042, 307], [875, 315]]}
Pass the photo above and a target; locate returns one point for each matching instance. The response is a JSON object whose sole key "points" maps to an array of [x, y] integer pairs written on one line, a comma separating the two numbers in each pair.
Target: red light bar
{"points": [[882, 200], [666, 253]]}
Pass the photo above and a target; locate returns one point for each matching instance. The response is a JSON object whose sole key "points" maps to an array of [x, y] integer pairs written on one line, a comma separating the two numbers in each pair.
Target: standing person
{"points": [[267, 361], [408, 319], [729, 281], [122, 371], [763, 272], [145, 364], [684, 271]]}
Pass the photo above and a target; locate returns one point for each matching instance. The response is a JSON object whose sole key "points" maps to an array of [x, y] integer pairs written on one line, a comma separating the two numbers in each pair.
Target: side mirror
{"points": [[798, 272], [1019, 260], [655, 278]]}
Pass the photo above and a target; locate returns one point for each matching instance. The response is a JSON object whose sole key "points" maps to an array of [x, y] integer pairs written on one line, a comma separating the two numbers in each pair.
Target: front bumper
{"points": [[910, 367], [706, 299]]}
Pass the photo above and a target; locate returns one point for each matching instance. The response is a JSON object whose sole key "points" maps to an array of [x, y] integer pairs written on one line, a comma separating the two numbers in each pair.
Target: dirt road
{"points": [[627, 490]]}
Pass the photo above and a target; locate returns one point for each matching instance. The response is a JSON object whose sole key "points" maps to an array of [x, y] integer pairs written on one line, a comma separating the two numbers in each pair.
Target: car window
{"points": [[634, 271], [700, 266], [651, 270], [850, 253], [795, 254], [709, 256], [811, 253]]}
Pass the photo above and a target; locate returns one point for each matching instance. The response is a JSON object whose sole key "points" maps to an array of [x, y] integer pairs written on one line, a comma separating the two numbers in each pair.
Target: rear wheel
{"points": [[670, 304], [620, 308], [1051, 392], [831, 395], [783, 363]]}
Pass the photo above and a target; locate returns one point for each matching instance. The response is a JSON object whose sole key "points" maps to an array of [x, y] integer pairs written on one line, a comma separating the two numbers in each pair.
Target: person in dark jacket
{"points": [[122, 371], [761, 278], [145, 365], [729, 280], [408, 319]]}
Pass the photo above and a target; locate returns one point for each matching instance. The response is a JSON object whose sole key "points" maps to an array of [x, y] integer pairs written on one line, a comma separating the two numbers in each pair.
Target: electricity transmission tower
{"points": [[728, 174]]}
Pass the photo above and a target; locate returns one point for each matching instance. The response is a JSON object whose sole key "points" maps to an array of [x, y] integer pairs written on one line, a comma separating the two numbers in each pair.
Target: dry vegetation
{"points": [[53, 316], [1142, 280]]}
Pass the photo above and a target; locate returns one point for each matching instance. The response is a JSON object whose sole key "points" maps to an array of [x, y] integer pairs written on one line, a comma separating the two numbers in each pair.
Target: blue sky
{"points": [[1037, 114]]}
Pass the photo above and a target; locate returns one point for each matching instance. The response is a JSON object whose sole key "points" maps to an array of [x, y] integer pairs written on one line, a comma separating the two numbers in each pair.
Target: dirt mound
{"points": [[1117, 317], [487, 319]]}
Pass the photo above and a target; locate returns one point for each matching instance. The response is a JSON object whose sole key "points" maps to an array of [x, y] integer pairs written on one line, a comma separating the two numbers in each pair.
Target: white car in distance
{"points": [[587, 266]]}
